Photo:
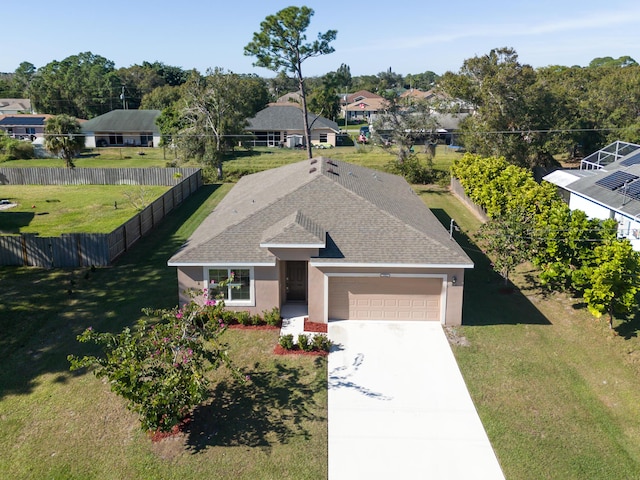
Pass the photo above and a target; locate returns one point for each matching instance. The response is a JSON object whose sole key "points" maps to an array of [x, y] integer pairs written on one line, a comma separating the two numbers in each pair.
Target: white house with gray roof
{"points": [[282, 125], [343, 240], [607, 185], [123, 128]]}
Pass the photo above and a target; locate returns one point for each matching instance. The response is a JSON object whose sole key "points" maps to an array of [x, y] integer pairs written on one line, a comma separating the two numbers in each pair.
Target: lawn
{"points": [[240, 161], [556, 390], [52, 210], [57, 424]]}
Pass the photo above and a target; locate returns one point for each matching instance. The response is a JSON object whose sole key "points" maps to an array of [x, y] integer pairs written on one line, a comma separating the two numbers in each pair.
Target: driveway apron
{"points": [[399, 407]]}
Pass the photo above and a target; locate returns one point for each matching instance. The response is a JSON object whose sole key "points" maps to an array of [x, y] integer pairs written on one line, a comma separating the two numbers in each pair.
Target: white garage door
{"points": [[379, 298]]}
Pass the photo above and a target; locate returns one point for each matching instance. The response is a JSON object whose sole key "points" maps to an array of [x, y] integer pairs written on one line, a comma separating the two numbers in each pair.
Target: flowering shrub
{"points": [[160, 366]]}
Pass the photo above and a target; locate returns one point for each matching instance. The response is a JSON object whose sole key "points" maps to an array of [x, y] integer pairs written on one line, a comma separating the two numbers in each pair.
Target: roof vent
{"points": [[315, 160], [312, 169], [331, 170], [331, 162]]}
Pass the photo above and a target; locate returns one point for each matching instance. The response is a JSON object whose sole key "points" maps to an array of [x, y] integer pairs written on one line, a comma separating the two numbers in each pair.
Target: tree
{"points": [[160, 366], [398, 127], [324, 99], [281, 45], [83, 86], [343, 77], [215, 112], [512, 110], [63, 137], [614, 280], [507, 240]]}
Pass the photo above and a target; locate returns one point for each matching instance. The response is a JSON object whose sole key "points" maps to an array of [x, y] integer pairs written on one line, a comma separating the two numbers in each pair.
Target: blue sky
{"points": [[410, 37]]}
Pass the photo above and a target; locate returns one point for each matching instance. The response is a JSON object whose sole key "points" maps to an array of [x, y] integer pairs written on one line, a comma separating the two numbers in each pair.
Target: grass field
{"points": [[556, 390], [240, 161], [57, 424], [52, 210]]}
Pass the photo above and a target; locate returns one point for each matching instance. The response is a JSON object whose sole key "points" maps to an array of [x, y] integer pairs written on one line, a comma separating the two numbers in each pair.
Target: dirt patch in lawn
{"points": [[455, 337]]}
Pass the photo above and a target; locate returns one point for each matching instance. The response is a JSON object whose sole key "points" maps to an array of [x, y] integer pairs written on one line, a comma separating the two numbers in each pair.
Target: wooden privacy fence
{"points": [[99, 249], [458, 190]]}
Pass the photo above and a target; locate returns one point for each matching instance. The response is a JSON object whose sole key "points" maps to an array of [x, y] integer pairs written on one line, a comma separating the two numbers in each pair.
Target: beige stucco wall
{"points": [[454, 293], [265, 282]]}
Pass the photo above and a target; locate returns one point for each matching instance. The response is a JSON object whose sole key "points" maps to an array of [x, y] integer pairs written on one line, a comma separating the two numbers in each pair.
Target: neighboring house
{"points": [[359, 96], [365, 109], [291, 97], [282, 125], [123, 128], [11, 106], [343, 240], [24, 127], [607, 185]]}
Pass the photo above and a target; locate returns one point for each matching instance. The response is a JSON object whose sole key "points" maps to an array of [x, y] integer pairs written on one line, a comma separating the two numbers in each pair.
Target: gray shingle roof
{"points": [[584, 183], [124, 121], [287, 117], [369, 217]]}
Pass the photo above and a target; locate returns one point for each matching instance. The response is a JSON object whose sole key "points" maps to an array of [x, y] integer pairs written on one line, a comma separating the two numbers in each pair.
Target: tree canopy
{"points": [[63, 137], [281, 45]]}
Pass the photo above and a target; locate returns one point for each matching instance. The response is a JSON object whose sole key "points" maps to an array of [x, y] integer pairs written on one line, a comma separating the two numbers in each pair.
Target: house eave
{"points": [[390, 265], [221, 264]]}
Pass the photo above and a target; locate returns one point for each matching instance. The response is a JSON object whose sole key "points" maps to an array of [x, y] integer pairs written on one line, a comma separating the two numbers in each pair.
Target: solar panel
{"points": [[616, 180], [633, 190], [631, 160]]}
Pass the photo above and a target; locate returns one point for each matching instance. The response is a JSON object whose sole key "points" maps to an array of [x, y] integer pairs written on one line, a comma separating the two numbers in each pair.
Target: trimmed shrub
{"points": [[304, 343], [272, 317], [286, 341], [321, 342]]}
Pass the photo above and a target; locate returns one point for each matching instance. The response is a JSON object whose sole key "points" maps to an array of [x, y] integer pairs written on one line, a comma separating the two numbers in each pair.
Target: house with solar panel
{"points": [[607, 185], [23, 126]]}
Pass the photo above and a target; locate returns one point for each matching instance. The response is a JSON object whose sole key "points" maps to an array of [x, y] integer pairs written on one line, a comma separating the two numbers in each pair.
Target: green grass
{"points": [[556, 391], [58, 424], [52, 210], [126, 157]]}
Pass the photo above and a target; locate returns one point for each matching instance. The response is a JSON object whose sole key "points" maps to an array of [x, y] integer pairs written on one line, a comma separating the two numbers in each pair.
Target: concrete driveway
{"points": [[399, 408]]}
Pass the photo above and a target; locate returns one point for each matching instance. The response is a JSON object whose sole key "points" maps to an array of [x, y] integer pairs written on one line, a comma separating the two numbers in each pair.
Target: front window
{"points": [[323, 138], [238, 286]]}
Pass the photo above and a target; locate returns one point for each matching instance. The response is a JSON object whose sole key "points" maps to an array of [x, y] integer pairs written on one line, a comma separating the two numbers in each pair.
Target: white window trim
{"points": [[234, 303]]}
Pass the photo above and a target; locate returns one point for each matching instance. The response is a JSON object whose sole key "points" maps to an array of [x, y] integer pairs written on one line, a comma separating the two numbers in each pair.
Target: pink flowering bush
{"points": [[160, 366]]}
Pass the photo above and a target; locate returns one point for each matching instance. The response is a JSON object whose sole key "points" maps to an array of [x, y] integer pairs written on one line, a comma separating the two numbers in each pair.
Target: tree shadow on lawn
{"points": [[487, 301], [272, 408], [43, 311]]}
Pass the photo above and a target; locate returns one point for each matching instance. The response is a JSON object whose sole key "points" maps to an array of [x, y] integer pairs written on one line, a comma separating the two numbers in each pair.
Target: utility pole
{"points": [[124, 105]]}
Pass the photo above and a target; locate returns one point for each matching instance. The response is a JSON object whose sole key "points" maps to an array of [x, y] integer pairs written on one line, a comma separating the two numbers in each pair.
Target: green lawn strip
{"points": [[59, 424], [51, 210], [556, 391]]}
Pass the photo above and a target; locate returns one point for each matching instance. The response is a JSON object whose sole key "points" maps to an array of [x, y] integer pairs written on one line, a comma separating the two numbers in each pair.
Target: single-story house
{"points": [[607, 185], [282, 125], [344, 241], [123, 128], [24, 126], [11, 106]]}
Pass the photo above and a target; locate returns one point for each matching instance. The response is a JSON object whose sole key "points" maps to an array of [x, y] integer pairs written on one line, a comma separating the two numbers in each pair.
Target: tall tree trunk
{"points": [[305, 119]]}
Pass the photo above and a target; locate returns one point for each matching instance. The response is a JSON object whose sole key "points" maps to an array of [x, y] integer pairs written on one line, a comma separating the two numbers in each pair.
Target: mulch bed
{"points": [[176, 430], [314, 327], [278, 350]]}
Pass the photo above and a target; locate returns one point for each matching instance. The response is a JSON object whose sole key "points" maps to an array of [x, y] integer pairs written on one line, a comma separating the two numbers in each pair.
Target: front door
{"points": [[296, 281]]}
